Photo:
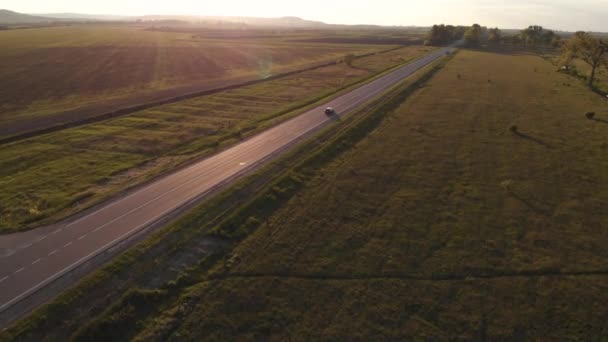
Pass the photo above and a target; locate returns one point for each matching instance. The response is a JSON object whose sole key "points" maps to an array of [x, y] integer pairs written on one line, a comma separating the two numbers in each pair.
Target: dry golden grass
{"points": [[442, 224]]}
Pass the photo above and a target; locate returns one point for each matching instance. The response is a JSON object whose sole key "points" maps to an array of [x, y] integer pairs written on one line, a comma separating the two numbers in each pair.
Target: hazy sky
{"points": [[556, 14]]}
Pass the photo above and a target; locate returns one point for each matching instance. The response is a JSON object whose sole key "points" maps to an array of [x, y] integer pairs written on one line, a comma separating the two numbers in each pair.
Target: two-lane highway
{"points": [[31, 260]]}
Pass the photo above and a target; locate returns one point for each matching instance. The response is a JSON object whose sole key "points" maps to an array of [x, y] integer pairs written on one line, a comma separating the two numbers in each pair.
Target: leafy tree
{"points": [[590, 49], [444, 34], [349, 59], [535, 35], [494, 35], [472, 36]]}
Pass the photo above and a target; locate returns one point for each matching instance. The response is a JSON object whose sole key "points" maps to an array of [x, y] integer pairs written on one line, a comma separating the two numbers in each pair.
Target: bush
{"points": [[349, 59], [590, 115], [513, 128]]}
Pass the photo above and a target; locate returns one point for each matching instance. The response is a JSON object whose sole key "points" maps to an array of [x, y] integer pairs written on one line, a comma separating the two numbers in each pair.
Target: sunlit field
{"points": [[65, 171], [443, 223], [87, 69], [461, 215]]}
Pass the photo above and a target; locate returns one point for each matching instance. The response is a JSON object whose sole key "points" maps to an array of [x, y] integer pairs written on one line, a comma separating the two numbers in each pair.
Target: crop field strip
{"points": [[74, 164], [95, 64]]}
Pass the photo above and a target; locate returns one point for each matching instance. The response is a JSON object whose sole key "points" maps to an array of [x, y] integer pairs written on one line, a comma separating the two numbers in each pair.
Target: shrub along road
{"points": [[31, 260]]}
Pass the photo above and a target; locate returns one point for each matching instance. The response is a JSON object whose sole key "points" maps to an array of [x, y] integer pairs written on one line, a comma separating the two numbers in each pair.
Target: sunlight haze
{"points": [[588, 15]]}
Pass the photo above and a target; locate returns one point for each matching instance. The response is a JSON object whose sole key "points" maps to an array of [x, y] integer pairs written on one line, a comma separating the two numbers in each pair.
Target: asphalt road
{"points": [[33, 259]]}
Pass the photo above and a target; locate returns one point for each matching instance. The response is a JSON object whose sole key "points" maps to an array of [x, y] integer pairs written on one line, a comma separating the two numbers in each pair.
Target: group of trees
{"points": [[536, 35], [532, 36], [494, 35], [444, 34], [588, 48], [584, 46], [473, 35]]}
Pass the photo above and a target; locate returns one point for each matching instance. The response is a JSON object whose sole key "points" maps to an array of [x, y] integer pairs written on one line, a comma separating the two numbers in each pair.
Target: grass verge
{"points": [[52, 176], [178, 248]]}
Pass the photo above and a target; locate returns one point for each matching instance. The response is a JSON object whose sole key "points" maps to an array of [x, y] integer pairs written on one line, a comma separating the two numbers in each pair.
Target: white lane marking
{"points": [[3, 279], [58, 274], [36, 261], [386, 80], [82, 237], [67, 244], [19, 270], [207, 172], [389, 79], [242, 163], [53, 252], [343, 97], [27, 246]]}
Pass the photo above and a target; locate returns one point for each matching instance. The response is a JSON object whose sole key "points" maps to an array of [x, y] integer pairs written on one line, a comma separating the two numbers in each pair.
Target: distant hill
{"points": [[10, 17], [80, 16], [294, 22]]}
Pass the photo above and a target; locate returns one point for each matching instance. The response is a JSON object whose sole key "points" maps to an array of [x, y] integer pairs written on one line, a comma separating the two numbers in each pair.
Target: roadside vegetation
{"points": [[66, 171]]}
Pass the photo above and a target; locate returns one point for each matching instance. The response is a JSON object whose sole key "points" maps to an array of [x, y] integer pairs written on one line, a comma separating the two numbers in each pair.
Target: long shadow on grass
{"points": [[533, 139], [534, 207], [600, 120]]}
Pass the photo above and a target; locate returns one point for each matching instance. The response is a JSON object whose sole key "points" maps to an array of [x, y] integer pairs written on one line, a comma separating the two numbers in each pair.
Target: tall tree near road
{"points": [[589, 49], [444, 34], [473, 35], [494, 35]]}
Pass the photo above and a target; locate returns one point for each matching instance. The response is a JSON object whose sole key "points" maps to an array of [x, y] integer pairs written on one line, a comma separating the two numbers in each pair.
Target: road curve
{"points": [[33, 259]]}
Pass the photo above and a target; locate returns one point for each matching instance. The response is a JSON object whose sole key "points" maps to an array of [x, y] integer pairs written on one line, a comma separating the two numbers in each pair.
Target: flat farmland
{"points": [[49, 71], [437, 222], [441, 224], [63, 172]]}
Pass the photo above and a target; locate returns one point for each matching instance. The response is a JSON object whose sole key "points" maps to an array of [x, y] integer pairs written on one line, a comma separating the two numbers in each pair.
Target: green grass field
{"points": [[581, 70], [48, 71], [601, 76], [441, 224], [65, 171]]}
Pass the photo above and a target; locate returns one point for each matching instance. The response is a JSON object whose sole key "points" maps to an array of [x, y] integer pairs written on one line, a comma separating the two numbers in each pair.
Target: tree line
{"points": [[584, 46], [476, 34]]}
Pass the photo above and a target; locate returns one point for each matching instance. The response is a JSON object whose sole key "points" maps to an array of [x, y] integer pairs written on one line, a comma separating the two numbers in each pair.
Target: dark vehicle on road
{"points": [[329, 111]]}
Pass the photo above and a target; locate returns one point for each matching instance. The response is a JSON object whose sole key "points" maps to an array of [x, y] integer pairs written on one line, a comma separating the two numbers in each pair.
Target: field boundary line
{"points": [[143, 106], [434, 277]]}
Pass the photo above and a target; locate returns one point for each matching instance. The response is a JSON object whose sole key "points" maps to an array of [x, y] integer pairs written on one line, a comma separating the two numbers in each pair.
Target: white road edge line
{"points": [[424, 59], [106, 246]]}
